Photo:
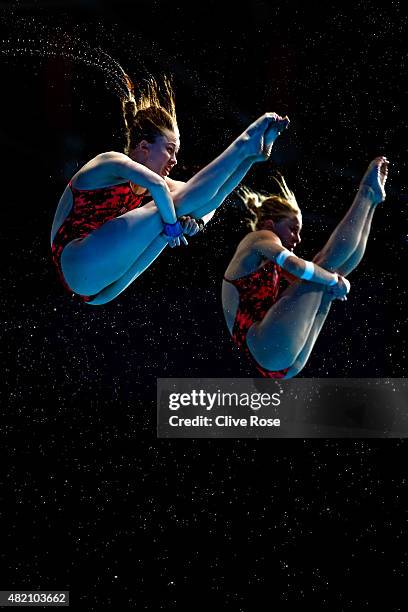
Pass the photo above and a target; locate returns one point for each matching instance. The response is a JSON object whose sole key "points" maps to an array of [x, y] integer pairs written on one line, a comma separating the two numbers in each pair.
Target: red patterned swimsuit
{"points": [[258, 291], [91, 208]]}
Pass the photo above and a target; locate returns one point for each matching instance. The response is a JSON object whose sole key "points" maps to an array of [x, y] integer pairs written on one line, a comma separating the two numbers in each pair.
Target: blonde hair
{"points": [[263, 207], [153, 112]]}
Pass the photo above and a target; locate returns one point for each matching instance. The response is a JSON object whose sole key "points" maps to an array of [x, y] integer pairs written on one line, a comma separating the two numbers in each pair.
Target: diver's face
{"points": [[160, 156], [288, 230]]}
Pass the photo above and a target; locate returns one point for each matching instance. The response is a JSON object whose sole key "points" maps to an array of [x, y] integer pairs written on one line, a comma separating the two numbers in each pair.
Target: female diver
{"points": [[277, 330], [102, 238]]}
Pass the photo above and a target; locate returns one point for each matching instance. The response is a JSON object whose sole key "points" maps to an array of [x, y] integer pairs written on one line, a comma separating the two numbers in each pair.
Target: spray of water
{"points": [[78, 51]]}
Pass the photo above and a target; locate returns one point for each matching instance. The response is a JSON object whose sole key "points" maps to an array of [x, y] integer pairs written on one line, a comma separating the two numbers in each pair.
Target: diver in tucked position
{"points": [[277, 329]]}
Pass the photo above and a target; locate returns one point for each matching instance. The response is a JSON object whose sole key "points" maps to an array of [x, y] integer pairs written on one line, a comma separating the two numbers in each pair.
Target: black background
{"points": [[94, 502]]}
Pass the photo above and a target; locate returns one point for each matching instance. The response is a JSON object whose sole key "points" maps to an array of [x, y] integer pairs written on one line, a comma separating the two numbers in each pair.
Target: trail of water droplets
{"points": [[78, 51]]}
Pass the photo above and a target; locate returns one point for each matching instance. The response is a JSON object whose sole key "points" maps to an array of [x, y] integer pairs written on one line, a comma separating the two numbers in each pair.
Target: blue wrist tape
{"points": [[308, 272], [282, 257], [173, 229], [335, 280]]}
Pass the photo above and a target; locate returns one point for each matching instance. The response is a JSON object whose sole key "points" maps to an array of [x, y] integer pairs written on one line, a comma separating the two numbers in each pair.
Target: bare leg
{"points": [[348, 237], [344, 269], [352, 262], [304, 354], [277, 340], [286, 335], [233, 181], [327, 300], [207, 190], [135, 270], [227, 188], [159, 243], [91, 264]]}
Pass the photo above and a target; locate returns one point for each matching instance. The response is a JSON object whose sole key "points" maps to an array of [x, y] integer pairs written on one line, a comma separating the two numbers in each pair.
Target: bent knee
{"points": [[320, 259], [328, 263], [178, 194]]}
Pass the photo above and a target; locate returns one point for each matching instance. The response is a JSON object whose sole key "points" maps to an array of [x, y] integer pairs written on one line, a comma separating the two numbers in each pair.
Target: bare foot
{"points": [[253, 137], [276, 126], [374, 179], [260, 136]]}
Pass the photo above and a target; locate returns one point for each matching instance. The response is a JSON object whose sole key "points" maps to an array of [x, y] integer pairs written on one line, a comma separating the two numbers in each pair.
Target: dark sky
{"points": [[90, 489]]}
